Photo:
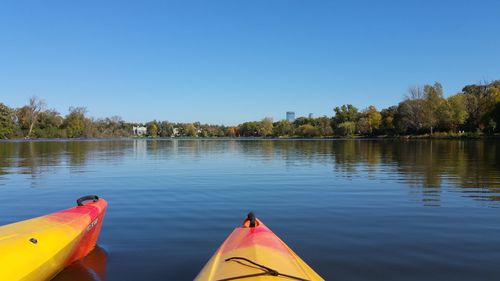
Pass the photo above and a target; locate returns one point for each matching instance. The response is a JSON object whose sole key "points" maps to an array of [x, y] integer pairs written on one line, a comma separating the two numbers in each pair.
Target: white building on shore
{"points": [[139, 130], [175, 132]]}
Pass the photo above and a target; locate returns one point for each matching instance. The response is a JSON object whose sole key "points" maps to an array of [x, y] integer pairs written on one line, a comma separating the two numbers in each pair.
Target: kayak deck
{"points": [[38, 248], [255, 253]]}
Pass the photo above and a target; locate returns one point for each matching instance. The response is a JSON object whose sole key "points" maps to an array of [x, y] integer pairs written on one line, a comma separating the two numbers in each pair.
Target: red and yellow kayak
{"points": [[39, 248], [253, 252]]}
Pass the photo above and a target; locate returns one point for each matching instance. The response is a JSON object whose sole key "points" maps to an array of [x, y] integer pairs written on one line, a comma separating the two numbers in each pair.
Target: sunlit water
{"points": [[353, 210]]}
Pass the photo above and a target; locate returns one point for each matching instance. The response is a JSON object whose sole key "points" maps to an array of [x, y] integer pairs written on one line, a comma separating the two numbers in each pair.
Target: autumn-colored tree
{"points": [[22, 116], [370, 120], [423, 110], [231, 132]]}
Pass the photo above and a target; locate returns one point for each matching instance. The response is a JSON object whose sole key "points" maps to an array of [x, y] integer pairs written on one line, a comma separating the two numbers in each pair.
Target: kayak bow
{"points": [[39, 248], [253, 252]]}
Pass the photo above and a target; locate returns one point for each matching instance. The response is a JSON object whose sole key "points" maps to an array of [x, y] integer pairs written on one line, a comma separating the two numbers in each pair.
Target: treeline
{"points": [[424, 110], [34, 121]]}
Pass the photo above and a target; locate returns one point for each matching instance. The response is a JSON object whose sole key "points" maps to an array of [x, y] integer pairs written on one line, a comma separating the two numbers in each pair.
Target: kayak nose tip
{"points": [[251, 219]]}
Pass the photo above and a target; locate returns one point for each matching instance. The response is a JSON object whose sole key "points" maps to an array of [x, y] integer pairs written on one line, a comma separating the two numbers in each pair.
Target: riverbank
{"points": [[471, 136], [466, 135]]}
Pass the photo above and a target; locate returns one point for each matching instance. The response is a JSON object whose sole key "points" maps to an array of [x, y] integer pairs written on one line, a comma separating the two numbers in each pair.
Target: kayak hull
{"points": [[258, 245], [39, 248]]}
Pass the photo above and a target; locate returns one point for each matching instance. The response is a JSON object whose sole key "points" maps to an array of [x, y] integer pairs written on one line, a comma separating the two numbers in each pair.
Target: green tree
{"points": [[249, 129], [406, 119], [190, 130], [113, 126], [454, 114], [346, 128], [323, 124], [283, 128], [49, 125], [495, 115], [345, 113], [363, 126], [152, 128], [165, 129], [90, 129], [411, 113], [492, 125], [387, 123], [265, 127], [7, 125], [303, 121], [480, 101], [433, 101], [307, 131], [75, 122], [209, 130], [493, 104]]}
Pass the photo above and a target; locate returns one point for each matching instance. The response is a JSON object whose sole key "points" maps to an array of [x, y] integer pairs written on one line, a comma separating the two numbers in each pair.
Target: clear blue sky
{"points": [[232, 61]]}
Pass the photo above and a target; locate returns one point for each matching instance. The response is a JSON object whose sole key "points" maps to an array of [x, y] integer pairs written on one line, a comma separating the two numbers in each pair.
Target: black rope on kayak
{"points": [[267, 270]]}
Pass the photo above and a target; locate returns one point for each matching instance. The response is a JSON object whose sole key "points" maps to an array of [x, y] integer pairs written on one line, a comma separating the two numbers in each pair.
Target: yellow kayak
{"points": [[253, 252], [39, 248]]}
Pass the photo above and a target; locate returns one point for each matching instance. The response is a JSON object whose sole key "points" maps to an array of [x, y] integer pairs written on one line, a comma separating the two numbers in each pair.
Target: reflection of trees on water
{"points": [[29, 157], [36, 158], [7, 152], [426, 166], [81, 153], [436, 164]]}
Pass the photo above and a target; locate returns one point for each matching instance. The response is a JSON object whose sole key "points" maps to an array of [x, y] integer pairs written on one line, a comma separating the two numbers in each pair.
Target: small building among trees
{"points": [[139, 130]]}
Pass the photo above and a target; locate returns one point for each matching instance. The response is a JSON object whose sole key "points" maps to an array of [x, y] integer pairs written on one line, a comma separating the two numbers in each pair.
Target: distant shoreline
{"points": [[424, 113], [402, 138]]}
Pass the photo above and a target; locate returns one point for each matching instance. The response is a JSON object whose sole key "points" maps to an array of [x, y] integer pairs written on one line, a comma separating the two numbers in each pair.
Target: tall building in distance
{"points": [[290, 116], [311, 115]]}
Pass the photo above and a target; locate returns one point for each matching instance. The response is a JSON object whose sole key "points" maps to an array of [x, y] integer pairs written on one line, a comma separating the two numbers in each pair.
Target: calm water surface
{"points": [[354, 210]]}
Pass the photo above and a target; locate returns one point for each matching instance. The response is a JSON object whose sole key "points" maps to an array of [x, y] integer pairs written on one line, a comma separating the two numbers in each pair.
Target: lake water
{"points": [[352, 209]]}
